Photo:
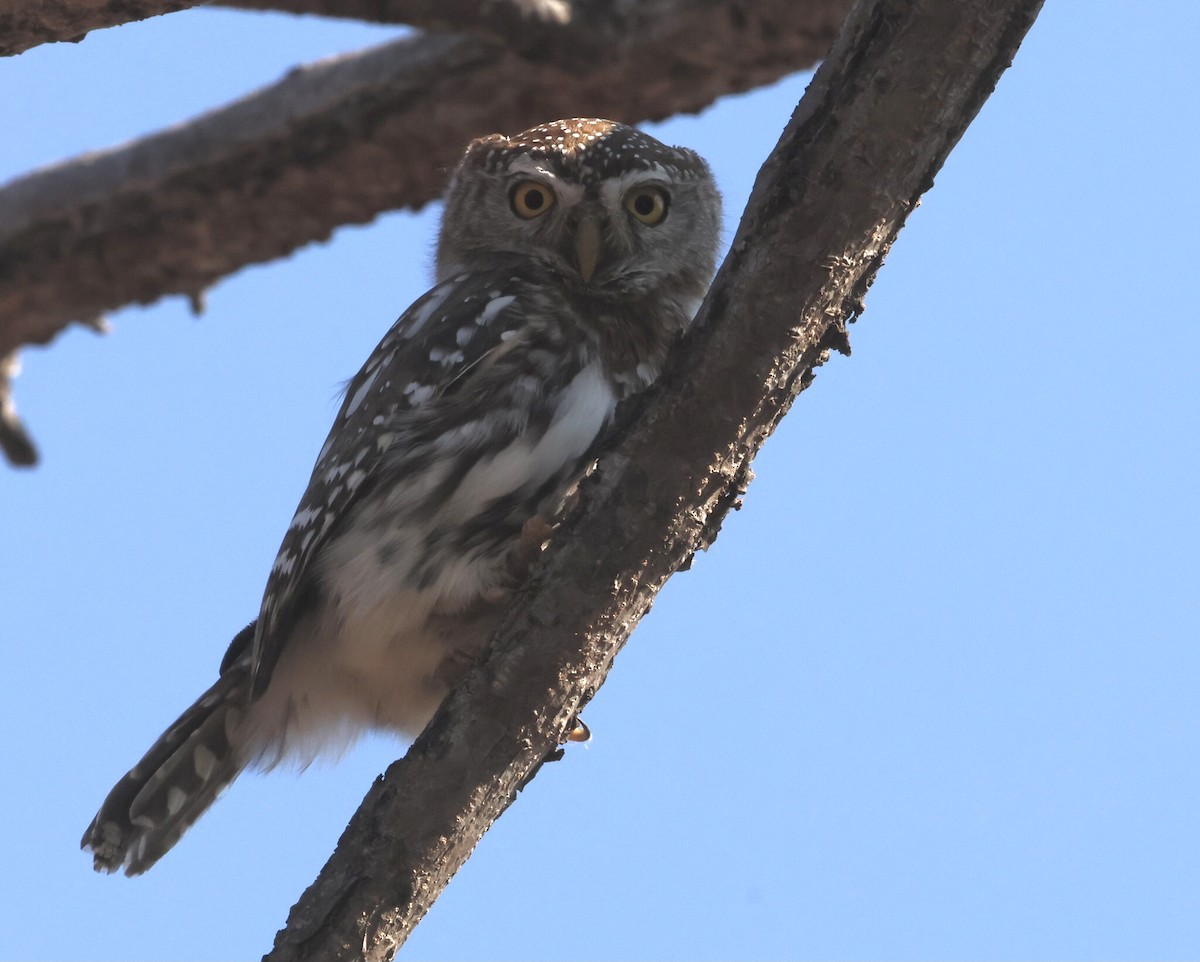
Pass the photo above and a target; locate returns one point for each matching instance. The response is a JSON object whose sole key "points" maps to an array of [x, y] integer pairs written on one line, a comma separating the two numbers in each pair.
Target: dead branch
{"points": [[517, 22], [899, 88], [25, 24], [340, 141], [15, 441]]}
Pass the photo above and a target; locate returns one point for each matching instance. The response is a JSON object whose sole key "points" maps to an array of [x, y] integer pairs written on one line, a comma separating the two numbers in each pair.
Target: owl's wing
{"points": [[436, 342]]}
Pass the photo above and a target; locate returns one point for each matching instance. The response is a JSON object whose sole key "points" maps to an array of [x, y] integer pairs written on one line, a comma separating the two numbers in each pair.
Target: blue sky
{"points": [[933, 693]]}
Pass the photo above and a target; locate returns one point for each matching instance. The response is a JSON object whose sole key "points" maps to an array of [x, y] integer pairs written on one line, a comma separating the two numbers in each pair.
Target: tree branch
{"points": [[15, 441], [27, 23], [340, 141], [516, 22], [883, 112]]}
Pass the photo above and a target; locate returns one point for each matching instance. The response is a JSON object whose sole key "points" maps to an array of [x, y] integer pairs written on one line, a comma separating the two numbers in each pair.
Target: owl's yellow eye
{"points": [[647, 204], [530, 199]]}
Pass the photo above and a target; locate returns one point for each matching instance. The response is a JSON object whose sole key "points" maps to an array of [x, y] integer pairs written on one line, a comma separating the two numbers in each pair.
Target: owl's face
{"points": [[608, 209]]}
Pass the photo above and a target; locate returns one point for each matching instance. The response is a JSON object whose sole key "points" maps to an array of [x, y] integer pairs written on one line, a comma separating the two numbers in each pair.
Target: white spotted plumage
{"points": [[472, 419]]}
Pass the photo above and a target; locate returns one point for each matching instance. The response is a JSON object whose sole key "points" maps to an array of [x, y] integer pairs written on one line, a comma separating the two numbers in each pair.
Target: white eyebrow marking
{"points": [[611, 191], [566, 192], [528, 165]]}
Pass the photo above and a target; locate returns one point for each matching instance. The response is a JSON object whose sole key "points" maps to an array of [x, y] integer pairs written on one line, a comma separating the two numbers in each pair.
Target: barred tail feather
{"points": [[176, 781]]}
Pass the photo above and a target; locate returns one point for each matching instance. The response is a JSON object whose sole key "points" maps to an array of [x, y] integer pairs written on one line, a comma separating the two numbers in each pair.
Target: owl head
{"points": [[610, 211]]}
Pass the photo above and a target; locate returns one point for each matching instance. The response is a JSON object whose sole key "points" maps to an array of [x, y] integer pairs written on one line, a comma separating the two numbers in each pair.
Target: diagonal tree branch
{"points": [[27, 23], [15, 442], [516, 22], [883, 112], [340, 141]]}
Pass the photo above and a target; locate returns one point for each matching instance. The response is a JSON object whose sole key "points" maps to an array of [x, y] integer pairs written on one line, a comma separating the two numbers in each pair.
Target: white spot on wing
{"points": [[176, 797], [361, 393], [304, 517], [444, 357], [325, 449], [205, 761], [335, 472], [437, 297], [492, 308], [418, 393], [461, 436]]}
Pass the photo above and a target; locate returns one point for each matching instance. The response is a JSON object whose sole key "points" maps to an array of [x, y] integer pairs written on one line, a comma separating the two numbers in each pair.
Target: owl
{"points": [[571, 258]]}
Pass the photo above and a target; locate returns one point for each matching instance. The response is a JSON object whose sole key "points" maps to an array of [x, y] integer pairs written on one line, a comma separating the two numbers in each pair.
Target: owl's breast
{"points": [[632, 340]]}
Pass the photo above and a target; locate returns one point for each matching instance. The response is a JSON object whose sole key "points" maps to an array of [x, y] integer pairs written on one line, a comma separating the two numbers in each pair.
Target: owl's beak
{"points": [[587, 247]]}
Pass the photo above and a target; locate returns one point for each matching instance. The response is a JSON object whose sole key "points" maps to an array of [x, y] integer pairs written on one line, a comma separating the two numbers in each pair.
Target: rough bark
{"points": [[27, 23], [517, 22], [895, 95]]}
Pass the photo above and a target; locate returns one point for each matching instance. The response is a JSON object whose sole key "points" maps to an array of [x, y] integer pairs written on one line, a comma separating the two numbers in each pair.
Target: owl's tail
{"points": [[176, 781]]}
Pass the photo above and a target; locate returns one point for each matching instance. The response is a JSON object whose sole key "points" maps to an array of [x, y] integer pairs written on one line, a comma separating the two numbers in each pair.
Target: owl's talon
{"points": [[497, 594], [454, 667], [580, 733], [535, 532]]}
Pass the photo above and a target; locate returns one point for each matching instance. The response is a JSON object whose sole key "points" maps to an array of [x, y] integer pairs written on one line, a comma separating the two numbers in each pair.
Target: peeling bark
{"points": [[895, 95]]}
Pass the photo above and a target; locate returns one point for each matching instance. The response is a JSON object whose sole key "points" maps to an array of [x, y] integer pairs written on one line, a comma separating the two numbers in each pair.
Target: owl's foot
{"points": [[453, 668], [536, 532], [534, 535]]}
